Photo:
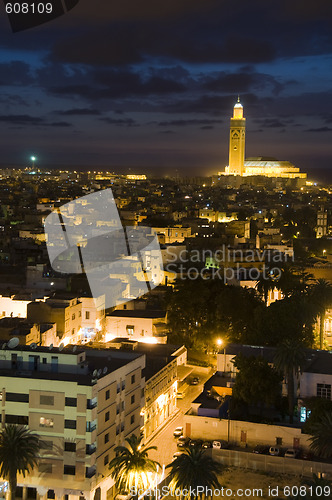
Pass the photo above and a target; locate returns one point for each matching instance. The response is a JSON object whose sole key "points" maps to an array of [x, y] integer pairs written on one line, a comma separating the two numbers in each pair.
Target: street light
{"points": [[33, 159]]}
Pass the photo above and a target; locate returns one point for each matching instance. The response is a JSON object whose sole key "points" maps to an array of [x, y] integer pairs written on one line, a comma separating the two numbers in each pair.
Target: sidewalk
{"points": [[162, 427]]}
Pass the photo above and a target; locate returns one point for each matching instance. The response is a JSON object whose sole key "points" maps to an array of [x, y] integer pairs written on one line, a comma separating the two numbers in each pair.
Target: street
{"points": [[164, 440]]}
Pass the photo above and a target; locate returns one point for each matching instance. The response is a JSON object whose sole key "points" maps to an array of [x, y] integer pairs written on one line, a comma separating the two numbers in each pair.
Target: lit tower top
{"points": [[237, 140]]}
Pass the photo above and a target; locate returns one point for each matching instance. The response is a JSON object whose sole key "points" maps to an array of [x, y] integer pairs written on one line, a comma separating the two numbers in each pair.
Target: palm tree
{"points": [[289, 360], [264, 285], [321, 440], [131, 468], [19, 451], [194, 468], [321, 294]]}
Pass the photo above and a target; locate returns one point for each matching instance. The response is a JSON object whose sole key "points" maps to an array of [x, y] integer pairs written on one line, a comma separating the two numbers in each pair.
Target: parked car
{"points": [[178, 432], [291, 453], [207, 444], [183, 442], [177, 454], [306, 455], [274, 451], [261, 449], [196, 442], [217, 445], [195, 381]]}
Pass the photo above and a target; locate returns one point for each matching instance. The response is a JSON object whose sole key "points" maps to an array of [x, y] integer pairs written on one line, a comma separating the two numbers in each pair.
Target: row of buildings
{"points": [[83, 402]]}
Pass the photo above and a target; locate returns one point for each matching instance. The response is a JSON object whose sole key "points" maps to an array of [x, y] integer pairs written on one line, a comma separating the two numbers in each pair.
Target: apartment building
{"points": [[66, 312], [82, 403], [139, 325], [161, 379]]}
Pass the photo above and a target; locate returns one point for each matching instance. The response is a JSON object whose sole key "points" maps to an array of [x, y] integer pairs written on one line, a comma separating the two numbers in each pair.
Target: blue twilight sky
{"points": [[151, 83]]}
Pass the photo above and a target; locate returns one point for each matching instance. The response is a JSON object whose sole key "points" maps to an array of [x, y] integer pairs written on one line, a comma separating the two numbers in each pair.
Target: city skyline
{"points": [[143, 86]]}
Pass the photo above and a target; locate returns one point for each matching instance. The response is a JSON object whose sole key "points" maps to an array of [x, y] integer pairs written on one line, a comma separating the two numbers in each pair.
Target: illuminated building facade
{"points": [[262, 166]]}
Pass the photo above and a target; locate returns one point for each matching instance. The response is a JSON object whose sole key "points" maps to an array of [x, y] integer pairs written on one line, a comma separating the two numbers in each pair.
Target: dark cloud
{"points": [[270, 123], [15, 73], [21, 119], [184, 123], [79, 112], [114, 84], [319, 129], [243, 81], [60, 124], [122, 122]]}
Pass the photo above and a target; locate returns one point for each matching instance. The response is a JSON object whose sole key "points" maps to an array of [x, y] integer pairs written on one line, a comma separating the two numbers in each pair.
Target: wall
{"points": [[242, 432]]}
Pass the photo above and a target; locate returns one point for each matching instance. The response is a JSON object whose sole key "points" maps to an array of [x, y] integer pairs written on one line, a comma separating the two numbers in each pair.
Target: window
{"points": [[118, 388], [46, 445], [106, 438], [117, 430], [15, 396], [46, 422], [46, 400], [122, 426], [45, 468], [73, 331], [132, 399], [69, 470], [122, 405], [70, 424], [117, 409], [107, 394], [79, 314], [71, 402], [17, 419], [132, 419], [133, 379], [130, 330], [87, 314], [51, 494], [105, 459], [107, 416], [123, 385], [70, 446], [44, 361], [324, 391], [73, 317], [278, 441]]}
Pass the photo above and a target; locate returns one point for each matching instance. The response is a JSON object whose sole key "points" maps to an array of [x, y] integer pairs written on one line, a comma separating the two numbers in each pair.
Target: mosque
{"points": [[255, 166]]}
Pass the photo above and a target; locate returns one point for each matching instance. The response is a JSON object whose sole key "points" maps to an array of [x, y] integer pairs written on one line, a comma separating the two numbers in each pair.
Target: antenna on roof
{"points": [[99, 373], [33, 345], [4, 346], [61, 346], [13, 343], [75, 348], [105, 370], [50, 347], [94, 373]]}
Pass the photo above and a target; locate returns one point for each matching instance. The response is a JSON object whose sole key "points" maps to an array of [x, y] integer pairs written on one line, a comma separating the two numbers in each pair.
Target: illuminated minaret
{"points": [[237, 140]]}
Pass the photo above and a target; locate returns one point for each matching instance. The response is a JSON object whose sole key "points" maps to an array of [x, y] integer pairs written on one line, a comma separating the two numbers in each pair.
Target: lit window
{"points": [[46, 422]]}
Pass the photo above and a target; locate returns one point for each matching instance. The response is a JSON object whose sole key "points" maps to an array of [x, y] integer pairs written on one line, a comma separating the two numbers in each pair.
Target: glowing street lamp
{"points": [[33, 159]]}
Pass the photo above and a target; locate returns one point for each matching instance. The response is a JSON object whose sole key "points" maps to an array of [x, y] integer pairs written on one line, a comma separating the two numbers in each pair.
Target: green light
{"points": [[33, 158]]}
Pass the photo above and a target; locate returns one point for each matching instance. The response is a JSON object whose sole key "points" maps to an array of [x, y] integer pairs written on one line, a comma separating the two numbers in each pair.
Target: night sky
{"points": [[152, 83]]}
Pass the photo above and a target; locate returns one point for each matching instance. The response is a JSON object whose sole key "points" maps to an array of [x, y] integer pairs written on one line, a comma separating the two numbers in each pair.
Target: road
{"points": [[164, 440]]}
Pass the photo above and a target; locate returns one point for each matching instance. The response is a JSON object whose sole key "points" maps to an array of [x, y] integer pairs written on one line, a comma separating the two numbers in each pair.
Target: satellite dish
{"points": [[4, 346], [13, 343], [105, 370], [99, 373], [50, 347], [75, 348], [94, 374], [61, 346], [33, 345]]}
